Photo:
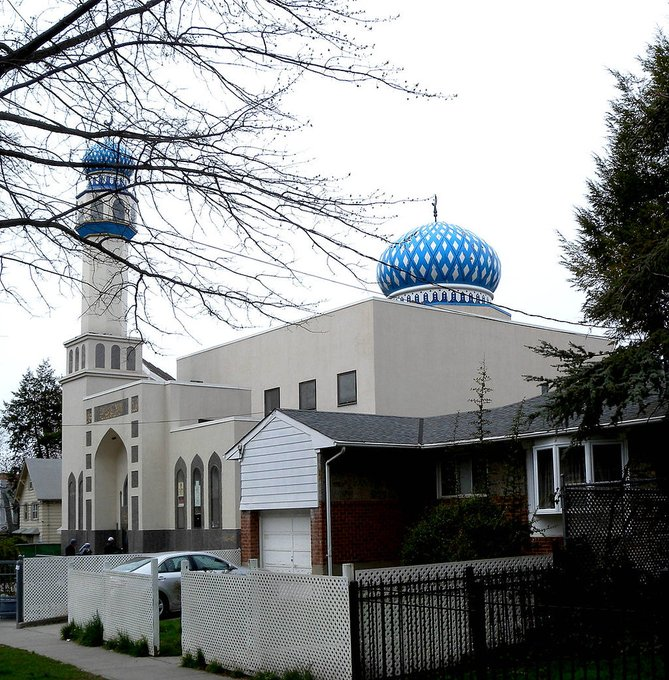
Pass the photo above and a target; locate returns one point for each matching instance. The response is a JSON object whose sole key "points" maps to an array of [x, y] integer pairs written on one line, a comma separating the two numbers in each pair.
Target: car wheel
{"points": [[163, 606]]}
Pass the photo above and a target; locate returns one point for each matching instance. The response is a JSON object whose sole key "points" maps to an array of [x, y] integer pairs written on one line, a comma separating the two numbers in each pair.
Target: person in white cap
{"points": [[110, 547]]}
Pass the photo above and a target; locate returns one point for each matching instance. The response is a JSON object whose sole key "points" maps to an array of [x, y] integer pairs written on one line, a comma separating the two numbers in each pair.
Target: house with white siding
{"points": [[39, 500], [320, 489]]}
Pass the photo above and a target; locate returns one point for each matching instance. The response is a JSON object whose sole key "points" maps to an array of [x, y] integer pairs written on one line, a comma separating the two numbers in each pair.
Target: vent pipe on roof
{"points": [[328, 509]]}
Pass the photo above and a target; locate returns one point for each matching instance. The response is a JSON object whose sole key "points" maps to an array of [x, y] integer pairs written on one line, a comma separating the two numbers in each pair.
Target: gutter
{"points": [[328, 507]]}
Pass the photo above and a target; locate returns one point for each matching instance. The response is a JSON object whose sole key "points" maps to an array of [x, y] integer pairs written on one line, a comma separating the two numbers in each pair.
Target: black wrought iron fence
{"points": [[541, 623], [8, 577]]}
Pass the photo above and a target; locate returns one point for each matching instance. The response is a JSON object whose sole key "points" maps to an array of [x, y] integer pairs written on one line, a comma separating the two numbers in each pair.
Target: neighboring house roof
{"points": [[45, 474], [153, 370], [522, 419]]}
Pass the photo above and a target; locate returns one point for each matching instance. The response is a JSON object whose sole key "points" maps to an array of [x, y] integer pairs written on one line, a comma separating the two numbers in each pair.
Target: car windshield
{"points": [[211, 563], [131, 566]]}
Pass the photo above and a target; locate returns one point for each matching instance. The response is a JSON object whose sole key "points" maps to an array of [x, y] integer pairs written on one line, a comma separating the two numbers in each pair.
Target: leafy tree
{"points": [[32, 418], [196, 93], [620, 259]]}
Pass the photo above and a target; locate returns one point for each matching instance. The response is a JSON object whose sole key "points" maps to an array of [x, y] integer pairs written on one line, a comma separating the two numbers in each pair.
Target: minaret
{"points": [[102, 357], [107, 212], [106, 216]]}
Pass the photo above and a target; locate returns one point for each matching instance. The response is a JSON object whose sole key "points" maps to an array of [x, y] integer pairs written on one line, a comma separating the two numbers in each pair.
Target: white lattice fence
{"points": [[45, 582], [268, 622], [233, 555], [125, 603], [85, 595], [443, 569]]}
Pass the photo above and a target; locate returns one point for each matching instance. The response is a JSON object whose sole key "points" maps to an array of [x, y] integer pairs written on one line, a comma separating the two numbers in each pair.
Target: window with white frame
{"points": [[34, 511], [561, 463], [461, 475]]}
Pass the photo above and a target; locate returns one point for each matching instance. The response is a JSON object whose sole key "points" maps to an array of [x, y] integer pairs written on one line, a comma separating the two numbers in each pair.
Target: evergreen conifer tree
{"points": [[620, 259]]}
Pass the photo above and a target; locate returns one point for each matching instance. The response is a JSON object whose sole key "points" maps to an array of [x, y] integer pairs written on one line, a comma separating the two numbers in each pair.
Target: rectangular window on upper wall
{"points": [[308, 395], [347, 388], [562, 464], [461, 475], [272, 400], [34, 511]]}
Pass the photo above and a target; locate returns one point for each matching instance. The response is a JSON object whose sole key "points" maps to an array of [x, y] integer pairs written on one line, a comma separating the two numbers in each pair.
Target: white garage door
{"points": [[286, 541]]}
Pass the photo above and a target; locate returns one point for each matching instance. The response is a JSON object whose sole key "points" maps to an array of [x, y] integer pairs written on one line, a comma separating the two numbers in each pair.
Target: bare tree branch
{"points": [[195, 91]]}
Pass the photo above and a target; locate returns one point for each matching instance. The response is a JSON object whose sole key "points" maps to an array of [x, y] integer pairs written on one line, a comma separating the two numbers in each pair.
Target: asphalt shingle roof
{"points": [[45, 475], [520, 418]]}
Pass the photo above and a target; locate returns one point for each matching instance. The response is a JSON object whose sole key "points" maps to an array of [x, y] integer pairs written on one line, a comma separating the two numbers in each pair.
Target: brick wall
{"points": [[319, 556], [366, 531], [545, 545], [250, 535]]}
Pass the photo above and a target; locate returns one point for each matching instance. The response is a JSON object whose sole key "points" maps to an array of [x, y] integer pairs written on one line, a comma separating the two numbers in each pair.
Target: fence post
{"points": [[662, 609], [477, 629], [348, 572], [19, 592]]}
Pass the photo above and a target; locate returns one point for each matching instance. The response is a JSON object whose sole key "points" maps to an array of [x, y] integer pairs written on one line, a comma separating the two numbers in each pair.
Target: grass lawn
{"points": [[19, 664], [170, 637]]}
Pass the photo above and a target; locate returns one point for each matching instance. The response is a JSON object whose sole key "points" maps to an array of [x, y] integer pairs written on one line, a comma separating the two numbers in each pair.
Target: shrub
{"points": [[198, 661], [124, 644], [70, 631], [89, 634], [465, 529], [9, 547], [92, 633]]}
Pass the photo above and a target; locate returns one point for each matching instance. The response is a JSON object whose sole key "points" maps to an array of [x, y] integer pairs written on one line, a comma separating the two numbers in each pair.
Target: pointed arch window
{"points": [[118, 210], [215, 511], [180, 494], [197, 493], [76, 359], [80, 501], [71, 502], [97, 212], [99, 355], [83, 356], [130, 358], [70, 362]]}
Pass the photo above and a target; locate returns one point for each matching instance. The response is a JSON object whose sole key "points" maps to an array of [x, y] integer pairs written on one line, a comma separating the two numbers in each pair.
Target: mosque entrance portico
{"points": [[111, 484]]}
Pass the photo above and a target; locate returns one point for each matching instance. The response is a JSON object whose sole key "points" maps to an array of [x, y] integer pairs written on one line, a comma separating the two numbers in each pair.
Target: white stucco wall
{"points": [[319, 349], [429, 368], [410, 359]]}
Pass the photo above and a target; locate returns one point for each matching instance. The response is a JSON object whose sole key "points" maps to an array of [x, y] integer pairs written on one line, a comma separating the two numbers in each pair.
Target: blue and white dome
{"points": [[107, 206], [106, 155], [440, 264]]}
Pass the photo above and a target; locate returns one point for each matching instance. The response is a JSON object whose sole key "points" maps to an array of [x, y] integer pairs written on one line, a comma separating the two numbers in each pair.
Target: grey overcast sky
{"points": [[508, 158]]}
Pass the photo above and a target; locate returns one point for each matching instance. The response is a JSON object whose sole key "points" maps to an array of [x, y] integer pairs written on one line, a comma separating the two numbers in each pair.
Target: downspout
{"points": [[328, 509]]}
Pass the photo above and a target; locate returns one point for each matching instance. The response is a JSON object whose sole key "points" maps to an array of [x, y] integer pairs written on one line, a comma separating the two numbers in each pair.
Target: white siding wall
{"points": [[279, 469]]}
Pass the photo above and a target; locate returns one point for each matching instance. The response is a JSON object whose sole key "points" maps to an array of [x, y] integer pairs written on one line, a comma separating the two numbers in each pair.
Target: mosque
{"points": [[150, 459]]}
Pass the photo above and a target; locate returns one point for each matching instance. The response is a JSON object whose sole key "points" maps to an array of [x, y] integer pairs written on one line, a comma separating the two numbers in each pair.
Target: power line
{"points": [[369, 291]]}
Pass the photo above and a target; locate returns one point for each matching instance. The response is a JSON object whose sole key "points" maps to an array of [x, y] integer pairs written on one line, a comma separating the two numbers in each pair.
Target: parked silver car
{"points": [[169, 573]]}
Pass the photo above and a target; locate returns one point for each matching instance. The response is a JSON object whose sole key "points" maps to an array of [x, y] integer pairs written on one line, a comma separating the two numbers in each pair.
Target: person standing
{"points": [[110, 547], [71, 548]]}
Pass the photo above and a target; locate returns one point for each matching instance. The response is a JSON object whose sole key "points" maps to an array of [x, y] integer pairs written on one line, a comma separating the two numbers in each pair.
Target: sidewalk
{"points": [[45, 640]]}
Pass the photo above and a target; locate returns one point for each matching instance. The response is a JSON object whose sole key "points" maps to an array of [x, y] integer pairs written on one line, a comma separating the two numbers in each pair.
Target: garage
{"points": [[285, 541]]}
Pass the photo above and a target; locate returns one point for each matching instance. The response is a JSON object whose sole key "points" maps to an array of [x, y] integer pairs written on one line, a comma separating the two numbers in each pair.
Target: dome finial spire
{"points": [[434, 208]]}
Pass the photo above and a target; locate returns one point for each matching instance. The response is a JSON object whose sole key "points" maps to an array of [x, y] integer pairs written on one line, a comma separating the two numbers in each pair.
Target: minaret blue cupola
{"points": [[106, 205], [440, 264]]}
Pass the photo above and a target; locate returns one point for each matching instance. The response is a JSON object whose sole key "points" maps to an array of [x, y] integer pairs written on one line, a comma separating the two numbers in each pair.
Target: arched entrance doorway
{"points": [[111, 487]]}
